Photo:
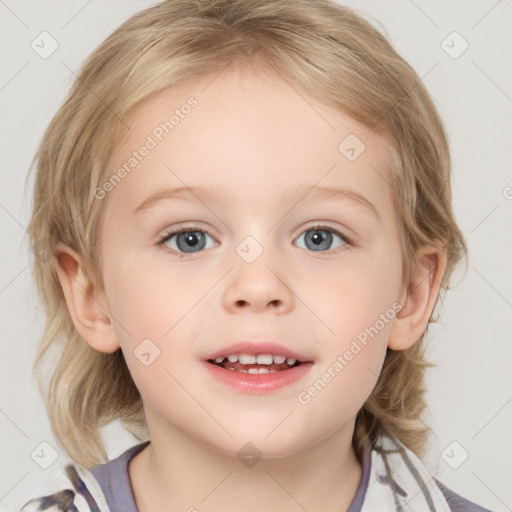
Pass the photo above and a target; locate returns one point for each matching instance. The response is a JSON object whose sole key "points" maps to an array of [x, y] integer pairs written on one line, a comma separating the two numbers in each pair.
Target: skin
{"points": [[257, 137]]}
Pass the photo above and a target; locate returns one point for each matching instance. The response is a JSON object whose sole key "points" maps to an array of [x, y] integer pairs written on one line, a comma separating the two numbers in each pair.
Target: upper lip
{"points": [[258, 347]]}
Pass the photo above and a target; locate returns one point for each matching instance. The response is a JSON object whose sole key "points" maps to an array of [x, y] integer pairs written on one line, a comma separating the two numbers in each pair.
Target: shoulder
{"points": [[81, 493], [456, 502], [102, 488], [400, 480]]}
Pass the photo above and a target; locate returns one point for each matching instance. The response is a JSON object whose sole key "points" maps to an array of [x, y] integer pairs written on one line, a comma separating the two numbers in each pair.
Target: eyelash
{"points": [[347, 246]]}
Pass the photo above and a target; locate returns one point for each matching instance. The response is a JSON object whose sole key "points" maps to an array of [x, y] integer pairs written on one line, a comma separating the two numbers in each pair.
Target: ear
{"points": [[87, 306], [418, 298]]}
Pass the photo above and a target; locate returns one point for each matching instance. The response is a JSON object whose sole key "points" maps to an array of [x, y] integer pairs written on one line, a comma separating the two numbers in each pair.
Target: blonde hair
{"points": [[319, 46]]}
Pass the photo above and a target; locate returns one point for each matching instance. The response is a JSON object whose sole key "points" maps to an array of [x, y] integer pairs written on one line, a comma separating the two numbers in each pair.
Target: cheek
{"points": [[356, 295], [358, 307], [156, 323], [149, 299], [349, 368]]}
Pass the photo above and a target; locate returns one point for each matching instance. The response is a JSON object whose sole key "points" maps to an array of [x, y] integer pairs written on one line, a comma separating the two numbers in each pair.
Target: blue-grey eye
{"points": [[320, 239], [190, 241], [187, 241]]}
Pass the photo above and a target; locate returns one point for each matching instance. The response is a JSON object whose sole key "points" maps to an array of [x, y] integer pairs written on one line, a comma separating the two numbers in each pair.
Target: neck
{"points": [[176, 472]]}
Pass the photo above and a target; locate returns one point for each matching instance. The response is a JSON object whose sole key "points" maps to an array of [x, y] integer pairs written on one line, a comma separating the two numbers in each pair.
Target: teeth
{"points": [[264, 358], [247, 359], [259, 370], [261, 359], [255, 370]]}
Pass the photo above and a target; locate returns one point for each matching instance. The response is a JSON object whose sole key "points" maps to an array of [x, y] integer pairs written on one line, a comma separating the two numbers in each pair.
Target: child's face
{"points": [[269, 152]]}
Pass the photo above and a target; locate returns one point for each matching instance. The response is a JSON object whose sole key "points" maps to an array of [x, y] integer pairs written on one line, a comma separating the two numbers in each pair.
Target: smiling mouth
{"points": [[255, 364]]}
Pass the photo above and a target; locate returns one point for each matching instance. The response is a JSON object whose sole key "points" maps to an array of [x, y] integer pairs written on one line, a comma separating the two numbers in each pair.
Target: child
{"points": [[280, 365]]}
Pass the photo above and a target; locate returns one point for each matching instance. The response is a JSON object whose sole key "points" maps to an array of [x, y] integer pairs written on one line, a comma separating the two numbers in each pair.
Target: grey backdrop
{"points": [[470, 391]]}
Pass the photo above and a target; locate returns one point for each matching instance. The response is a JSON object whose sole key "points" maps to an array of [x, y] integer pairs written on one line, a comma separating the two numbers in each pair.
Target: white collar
{"points": [[399, 481]]}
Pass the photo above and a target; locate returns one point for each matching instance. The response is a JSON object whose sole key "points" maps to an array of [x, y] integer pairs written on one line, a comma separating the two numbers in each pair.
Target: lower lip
{"points": [[260, 382]]}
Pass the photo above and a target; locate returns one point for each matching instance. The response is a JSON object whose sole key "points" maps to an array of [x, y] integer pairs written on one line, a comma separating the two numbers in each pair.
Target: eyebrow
{"points": [[217, 193], [172, 194]]}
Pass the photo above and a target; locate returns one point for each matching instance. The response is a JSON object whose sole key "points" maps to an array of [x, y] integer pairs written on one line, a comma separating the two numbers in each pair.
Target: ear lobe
{"points": [[87, 307], [418, 298]]}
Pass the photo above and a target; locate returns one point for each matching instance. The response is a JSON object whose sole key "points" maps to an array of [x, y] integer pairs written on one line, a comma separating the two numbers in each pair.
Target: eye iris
{"points": [[321, 239], [191, 240]]}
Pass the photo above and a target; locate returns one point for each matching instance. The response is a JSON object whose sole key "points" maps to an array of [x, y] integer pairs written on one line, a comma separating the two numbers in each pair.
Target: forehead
{"points": [[249, 134]]}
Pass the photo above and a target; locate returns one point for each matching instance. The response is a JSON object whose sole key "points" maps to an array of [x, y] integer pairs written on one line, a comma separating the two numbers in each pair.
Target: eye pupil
{"points": [[189, 240], [319, 239], [192, 239]]}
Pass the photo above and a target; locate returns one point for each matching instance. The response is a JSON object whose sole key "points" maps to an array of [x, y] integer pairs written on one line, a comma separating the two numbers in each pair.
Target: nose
{"points": [[257, 287]]}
